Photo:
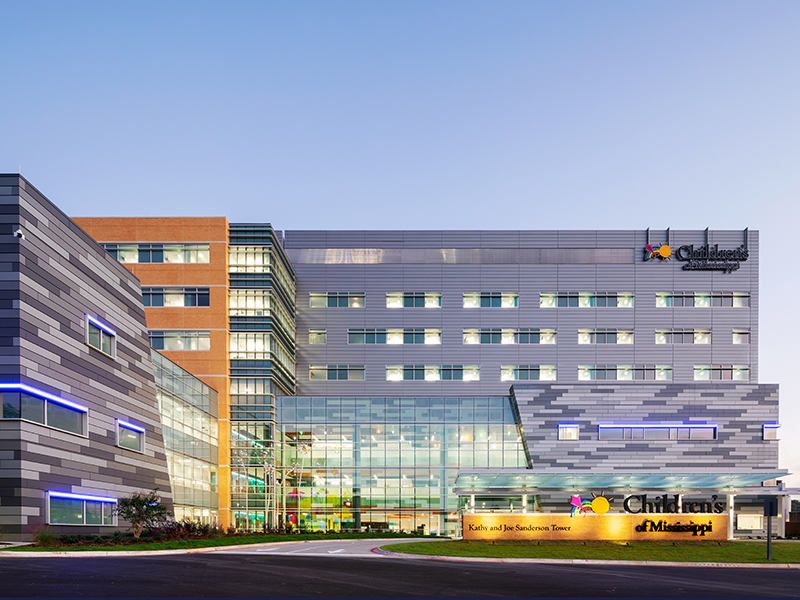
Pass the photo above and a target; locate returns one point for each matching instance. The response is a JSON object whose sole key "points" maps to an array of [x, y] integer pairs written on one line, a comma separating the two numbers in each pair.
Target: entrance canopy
{"points": [[506, 482]]}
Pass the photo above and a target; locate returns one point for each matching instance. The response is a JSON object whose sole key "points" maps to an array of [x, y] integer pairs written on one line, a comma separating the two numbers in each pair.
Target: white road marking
{"points": [[335, 551]]}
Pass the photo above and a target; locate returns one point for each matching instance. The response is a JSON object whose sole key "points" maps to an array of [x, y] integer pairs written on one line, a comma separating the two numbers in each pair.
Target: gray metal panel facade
{"points": [[525, 262], [49, 282], [738, 411]]}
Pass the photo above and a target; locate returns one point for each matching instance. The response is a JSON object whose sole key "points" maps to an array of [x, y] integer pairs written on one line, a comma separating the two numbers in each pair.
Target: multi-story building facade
{"points": [[398, 359]]}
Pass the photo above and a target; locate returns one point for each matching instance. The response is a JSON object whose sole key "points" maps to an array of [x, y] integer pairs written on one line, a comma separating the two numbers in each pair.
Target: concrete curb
{"points": [[586, 561], [90, 553]]}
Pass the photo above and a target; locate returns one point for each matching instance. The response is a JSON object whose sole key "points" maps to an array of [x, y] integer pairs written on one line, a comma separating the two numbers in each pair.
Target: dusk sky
{"points": [[424, 115]]}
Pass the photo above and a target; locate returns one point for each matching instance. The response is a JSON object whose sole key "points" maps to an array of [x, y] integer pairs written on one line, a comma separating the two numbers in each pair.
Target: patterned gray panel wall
{"points": [[49, 282], [529, 279], [739, 411]]}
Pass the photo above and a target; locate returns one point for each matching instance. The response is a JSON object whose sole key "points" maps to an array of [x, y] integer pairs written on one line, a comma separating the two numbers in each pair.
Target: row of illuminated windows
{"points": [[690, 431], [520, 336], [75, 509], [180, 340], [257, 259], [20, 401], [159, 253], [530, 373], [546, 299], [170, 297]]}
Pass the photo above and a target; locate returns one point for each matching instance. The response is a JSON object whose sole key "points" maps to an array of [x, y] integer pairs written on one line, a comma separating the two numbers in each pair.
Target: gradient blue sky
{"points": [[432, 115]]}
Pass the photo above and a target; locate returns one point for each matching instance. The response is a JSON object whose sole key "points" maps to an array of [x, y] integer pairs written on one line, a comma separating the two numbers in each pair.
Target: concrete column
{"points": [[525, 503], [472, 503], [680, 503], [731, 522]]}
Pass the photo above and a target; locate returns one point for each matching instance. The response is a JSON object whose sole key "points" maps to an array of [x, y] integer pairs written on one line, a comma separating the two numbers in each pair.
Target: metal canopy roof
{"points": [[504, 481]]}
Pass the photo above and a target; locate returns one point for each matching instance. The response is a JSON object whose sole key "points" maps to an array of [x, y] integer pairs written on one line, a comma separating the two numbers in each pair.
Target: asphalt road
{"points": [[307, 573]]}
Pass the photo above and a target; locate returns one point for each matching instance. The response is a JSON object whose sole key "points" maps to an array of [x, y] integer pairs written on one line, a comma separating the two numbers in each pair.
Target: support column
{"points": [[730, 498], [472, 503], [524, 503]]}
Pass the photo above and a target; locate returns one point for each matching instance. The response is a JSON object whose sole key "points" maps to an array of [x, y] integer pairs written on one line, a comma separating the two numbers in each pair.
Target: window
{"points": [[605, 336], [509, 336], [432, 373], [586, 300], [702, 299], [159, 253], [568, 431], [491, 299], [249, 303], [528, 373], [721, 373], [180, 340], [246, 259], [101, 337], [75, 509], [690, 431], [741, 336], [413, 300], [21, 401], [749, 522], [394, 336], [317, 336], [175, 297], [336, 300], [683, 336], [770, 431], [624, 373], [130, 436], [336, 372]]}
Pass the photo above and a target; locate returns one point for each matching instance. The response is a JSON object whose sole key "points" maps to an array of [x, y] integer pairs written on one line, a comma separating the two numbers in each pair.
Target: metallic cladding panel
{"points": [[57, 275], [461, 263]]}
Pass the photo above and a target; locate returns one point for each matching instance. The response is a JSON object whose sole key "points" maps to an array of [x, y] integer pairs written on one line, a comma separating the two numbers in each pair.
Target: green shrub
{"points": [[44, 537]]}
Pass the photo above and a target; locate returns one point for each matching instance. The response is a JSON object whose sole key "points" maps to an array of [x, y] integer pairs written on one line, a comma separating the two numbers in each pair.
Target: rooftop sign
{"points": [[707, 257]]}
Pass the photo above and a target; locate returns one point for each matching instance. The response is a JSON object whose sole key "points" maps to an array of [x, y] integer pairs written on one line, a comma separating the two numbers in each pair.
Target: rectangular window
{"points": [[491, 300], [159, 253], [683, 336], [170, 297], [101, 337], [180, 340], [336, 372], [624, 373], [249, 303], [317, 336], [741, 336], [76, 509], [749, 522], [702, 299], [770, 431], [130, 436], [568, 431], [690, 431], [509, 336], [395, 336], [336, 300], [413, 300], [21, 401], [433, 373], [586, 300], [721, 373], [528, 373], [605, 336], [247, 259]]}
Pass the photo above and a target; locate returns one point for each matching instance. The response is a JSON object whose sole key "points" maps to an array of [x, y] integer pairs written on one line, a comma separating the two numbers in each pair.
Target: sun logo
{"points": [[664, 252], [599, 505]]}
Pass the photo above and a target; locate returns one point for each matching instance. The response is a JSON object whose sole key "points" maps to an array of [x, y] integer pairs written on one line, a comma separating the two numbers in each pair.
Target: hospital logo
{"points": [[662, 252], [599, 505]]}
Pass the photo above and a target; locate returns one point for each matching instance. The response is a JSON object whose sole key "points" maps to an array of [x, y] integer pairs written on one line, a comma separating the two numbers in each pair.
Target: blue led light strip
{"points": [[101, 325], [659, 426], [81, 497], [771, 425], [131, 426], [22, 387]]}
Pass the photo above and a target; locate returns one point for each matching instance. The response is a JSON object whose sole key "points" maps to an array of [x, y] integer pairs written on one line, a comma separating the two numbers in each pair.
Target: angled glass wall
{"points": [[189, 423], [387, 463]]}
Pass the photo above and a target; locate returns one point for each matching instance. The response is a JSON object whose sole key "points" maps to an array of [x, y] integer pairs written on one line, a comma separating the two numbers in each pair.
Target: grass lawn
{"points": [[209, 543], [728, 552]]}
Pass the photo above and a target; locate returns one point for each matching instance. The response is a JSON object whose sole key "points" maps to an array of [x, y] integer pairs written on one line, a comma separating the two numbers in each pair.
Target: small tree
{"points": [[141, 510]]}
